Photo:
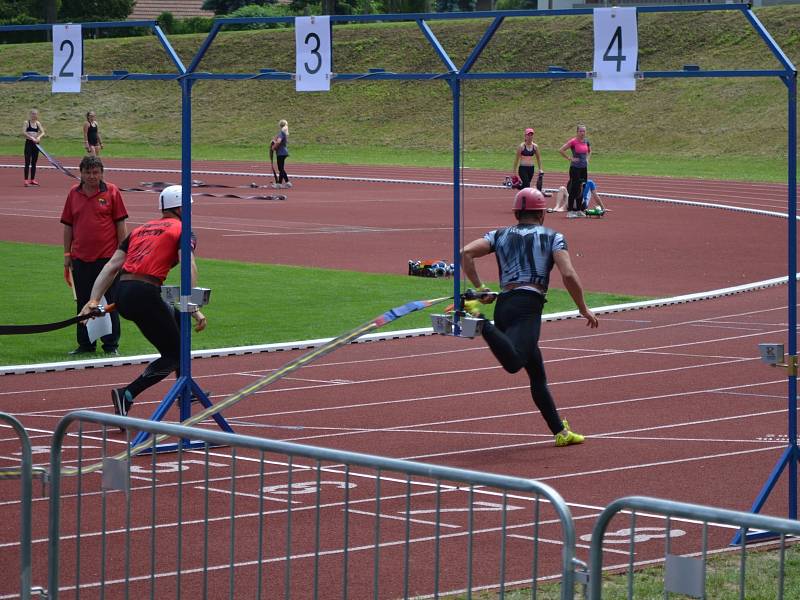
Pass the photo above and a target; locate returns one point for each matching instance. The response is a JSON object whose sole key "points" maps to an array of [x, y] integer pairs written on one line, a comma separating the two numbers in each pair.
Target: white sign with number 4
{"points": [[67, 58], [616, 49], [312, 38]]}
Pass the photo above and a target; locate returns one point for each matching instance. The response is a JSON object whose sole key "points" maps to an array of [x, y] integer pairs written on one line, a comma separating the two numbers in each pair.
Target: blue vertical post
{"points": [[185, 387], [791, 455], [791, 84], [184, 394], [455, 87]]}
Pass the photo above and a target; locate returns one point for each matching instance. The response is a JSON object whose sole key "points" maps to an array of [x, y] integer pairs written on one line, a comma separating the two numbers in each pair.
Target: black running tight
{"points": [[577, 177], [514, 340], [282, 176], [141, 303], [31, 157]]}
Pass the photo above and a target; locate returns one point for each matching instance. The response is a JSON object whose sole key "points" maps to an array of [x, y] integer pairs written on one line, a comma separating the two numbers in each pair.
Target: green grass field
{"points": [[250, 303]]}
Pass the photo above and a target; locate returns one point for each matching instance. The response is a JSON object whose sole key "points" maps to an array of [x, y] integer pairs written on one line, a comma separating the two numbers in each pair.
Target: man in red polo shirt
{"points": [[94, 225]]}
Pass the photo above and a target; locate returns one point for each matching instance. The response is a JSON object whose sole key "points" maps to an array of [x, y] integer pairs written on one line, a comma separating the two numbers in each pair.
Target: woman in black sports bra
{"points": [[33, 132], [91, 135], [523, 161]]}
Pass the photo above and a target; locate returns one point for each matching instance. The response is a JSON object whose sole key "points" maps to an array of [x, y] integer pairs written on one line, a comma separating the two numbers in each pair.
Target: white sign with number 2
{"points": [[312, 38], [67, 58], [616, 49]]}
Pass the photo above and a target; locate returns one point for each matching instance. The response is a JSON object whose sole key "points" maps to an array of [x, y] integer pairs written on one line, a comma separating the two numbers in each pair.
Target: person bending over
{"points": [[588, 194], [143, 260]]}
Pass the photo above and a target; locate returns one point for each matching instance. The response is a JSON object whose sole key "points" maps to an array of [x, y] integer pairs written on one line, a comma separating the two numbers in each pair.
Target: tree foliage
{"points": [[226, 7], [21, 11], [95, 10], [455, 5]]}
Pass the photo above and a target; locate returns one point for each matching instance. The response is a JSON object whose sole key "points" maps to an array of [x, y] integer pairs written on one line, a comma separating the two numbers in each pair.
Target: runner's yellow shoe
{"points": [[567, 437]]}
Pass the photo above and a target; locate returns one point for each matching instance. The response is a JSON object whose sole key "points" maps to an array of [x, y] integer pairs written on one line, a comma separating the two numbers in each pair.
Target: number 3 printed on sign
{"points": [[313, 54], [616, 49], [67, 58]]}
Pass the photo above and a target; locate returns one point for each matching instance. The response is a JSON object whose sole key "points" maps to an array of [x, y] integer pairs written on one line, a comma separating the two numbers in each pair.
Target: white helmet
{"points": [[171, 197]]}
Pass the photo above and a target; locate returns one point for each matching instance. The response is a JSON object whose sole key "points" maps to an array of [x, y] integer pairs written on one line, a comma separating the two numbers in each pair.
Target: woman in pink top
{"points": [[581, 150]]}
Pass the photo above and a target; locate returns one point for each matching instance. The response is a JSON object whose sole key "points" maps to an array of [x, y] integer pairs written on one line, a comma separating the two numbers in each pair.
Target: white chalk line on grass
{"points": [[546, 344]]}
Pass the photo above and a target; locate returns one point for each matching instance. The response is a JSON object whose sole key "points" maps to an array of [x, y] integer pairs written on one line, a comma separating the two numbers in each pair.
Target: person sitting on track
{"points": [[526, 253], [144, 258], [588, 193]]}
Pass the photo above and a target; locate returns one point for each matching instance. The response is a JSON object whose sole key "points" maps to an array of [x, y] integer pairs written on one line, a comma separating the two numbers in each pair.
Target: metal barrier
{"points": [[297, 521], [684, 573], [25, 474]]}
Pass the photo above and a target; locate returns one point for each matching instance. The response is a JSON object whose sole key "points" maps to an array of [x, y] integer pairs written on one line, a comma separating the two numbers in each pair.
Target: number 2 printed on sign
{"points": [[67, 58]]}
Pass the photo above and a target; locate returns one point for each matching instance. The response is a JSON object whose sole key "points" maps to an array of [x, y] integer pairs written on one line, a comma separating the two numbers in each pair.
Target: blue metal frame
{"points": [[184, 387], [454, 77]]}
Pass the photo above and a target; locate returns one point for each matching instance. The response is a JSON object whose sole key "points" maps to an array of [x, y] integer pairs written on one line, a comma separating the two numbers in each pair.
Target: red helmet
{"points": [[529, 199]]}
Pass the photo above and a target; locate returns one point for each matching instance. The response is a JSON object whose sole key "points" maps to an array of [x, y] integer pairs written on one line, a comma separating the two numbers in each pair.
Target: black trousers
{"points": [[83, 275], [282, 176], [577, 177], [525, 173], [514, 340], [141, 303], [31, 157]]}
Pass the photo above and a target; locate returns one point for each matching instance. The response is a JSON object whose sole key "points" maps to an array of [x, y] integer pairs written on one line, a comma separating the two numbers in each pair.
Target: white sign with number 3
{"points": [[616, 49], [312, 36], [67, 58]]}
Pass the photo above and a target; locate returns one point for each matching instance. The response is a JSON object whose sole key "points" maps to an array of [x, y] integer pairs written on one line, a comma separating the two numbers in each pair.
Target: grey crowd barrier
{"points": [[23, 472], [685, 573], [297, 522]]}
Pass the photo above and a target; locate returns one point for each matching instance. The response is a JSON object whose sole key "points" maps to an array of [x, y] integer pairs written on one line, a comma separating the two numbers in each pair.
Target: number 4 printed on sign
{"points": [[67, 58], [616, 49]]}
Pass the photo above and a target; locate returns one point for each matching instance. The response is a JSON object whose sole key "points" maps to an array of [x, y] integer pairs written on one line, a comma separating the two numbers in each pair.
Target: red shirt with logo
{"points": [[94, 221], [152, 248]]}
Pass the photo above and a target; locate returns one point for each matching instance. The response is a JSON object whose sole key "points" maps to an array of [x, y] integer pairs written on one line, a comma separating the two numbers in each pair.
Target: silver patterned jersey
{"points": [[524, 253]]}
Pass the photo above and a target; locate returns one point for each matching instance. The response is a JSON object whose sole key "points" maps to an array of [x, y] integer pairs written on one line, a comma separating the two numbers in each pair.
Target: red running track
{"points": [[674, 400]]}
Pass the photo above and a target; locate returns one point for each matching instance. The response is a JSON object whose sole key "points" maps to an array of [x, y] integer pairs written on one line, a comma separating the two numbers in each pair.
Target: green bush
{"points": [[167, 21], [513, 5], [21, 37], [254, 10]]}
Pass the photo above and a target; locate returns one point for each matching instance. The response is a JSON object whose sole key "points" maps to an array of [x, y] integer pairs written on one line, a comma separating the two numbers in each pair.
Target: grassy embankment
{"points": [[714, 128]]}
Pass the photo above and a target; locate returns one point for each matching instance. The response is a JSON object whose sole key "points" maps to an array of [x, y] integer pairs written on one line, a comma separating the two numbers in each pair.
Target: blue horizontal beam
{"points": [[389, 76], [127, 77], [91, 25], [715, 73]]}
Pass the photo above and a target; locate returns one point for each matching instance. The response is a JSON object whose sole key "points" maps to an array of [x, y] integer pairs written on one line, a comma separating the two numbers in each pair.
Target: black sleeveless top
{"points": [[31, 129], [91, 135], [526, 152]]}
